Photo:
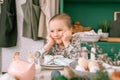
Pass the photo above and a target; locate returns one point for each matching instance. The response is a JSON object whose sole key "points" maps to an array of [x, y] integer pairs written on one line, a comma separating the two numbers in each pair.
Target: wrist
{"points": [[48, 46], [66, 43]]}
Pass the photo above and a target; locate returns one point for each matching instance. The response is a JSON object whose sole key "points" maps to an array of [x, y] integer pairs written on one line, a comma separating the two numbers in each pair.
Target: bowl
{"points": [[84, 74]]}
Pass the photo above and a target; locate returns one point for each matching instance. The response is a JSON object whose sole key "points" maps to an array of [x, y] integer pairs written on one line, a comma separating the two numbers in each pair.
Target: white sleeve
{"points": [[42, 51]]}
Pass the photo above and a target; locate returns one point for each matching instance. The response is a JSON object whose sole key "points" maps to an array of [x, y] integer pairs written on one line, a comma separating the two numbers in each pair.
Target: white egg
{"points": [[94, 69], [80, 68], [83, 62]]}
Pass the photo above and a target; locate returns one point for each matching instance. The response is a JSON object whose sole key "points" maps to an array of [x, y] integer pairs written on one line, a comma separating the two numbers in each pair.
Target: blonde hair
{"points": [[63, 16]]}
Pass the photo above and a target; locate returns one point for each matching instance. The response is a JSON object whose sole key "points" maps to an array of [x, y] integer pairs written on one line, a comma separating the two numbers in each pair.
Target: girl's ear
{"points": [[71, 29]]}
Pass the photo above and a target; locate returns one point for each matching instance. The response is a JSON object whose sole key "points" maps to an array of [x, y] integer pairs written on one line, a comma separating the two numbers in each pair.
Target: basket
{"points": [[83, 74], [90, 38]]}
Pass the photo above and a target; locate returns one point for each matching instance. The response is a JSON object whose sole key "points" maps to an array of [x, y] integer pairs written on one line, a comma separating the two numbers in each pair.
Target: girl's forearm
{"points": [[48, 46]]}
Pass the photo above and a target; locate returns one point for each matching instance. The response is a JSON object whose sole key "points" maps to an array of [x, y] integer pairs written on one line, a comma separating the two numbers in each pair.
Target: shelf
{"points": [[111, 39]]}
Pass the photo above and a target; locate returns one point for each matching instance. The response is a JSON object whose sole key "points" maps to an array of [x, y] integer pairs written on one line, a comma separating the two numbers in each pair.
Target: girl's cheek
{"points": [[51, 35], [62, 34]]}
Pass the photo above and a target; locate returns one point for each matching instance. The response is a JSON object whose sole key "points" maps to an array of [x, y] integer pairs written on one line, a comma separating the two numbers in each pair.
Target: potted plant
{"points": [[105, 27]]}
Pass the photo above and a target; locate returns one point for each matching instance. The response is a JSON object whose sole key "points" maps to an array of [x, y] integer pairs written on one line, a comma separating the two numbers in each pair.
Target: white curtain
{"points": [[48, 9]]}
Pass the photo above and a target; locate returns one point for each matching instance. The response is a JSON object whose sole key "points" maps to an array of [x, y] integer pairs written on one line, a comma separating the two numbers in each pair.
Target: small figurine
{"points": [[30, 57], [84, 53], [21, 69], [37, 57], [16, 55], [77, 27]]}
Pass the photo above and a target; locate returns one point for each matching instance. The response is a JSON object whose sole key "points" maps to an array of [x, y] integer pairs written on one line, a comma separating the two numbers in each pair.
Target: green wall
{"points": [[90, 14], [107, 47]]}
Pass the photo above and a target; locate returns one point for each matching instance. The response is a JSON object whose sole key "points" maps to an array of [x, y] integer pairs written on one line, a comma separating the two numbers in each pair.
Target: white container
{"points": [[93, 52], [104, 35]]}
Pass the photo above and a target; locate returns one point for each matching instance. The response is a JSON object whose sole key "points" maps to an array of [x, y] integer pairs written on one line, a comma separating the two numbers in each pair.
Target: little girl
{"points": [[60, 40]]}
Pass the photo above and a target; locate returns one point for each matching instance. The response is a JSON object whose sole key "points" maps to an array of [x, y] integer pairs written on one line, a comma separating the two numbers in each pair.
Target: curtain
{"points": [[8, 24], [48, 9], [31, 12]]}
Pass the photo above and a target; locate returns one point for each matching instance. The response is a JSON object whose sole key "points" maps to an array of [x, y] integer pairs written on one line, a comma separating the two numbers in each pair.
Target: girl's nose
{"points": [[55, 34]]}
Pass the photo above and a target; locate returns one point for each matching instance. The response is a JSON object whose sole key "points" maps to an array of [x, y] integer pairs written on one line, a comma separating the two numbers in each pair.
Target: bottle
{"points": [[84, 53], [92, 54]]}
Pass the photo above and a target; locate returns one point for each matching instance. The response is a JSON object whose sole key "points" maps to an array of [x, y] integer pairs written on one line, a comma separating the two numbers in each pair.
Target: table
{"points": [[45, 75]]}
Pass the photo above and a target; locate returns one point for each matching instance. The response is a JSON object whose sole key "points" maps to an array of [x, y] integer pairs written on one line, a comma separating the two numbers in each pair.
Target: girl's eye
{"points": [[52, 31], [59, 30]]}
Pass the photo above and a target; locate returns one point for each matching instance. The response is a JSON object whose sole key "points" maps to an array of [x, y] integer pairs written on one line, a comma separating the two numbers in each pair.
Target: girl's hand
{"points": [[66, 38], [50, 40], [50, 43]]}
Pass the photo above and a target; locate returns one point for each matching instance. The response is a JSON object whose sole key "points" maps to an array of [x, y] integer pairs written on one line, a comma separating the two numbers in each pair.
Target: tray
{"points": [[52, 67]]}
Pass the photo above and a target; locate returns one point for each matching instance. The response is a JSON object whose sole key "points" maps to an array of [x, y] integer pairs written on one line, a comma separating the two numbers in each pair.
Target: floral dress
{"points": [[72, 51]]}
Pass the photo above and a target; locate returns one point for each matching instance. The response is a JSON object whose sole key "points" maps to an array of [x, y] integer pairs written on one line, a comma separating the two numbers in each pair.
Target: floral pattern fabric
{"points": [[72, 51]]}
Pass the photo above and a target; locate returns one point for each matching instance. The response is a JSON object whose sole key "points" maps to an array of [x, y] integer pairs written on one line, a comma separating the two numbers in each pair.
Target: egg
{"points": [[83, 62], [93, 66], [93, 63], [94, 69], [80, 68]]}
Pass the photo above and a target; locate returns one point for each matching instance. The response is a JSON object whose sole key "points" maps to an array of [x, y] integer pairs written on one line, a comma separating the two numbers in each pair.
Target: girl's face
{"points": [[57, 29]]}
